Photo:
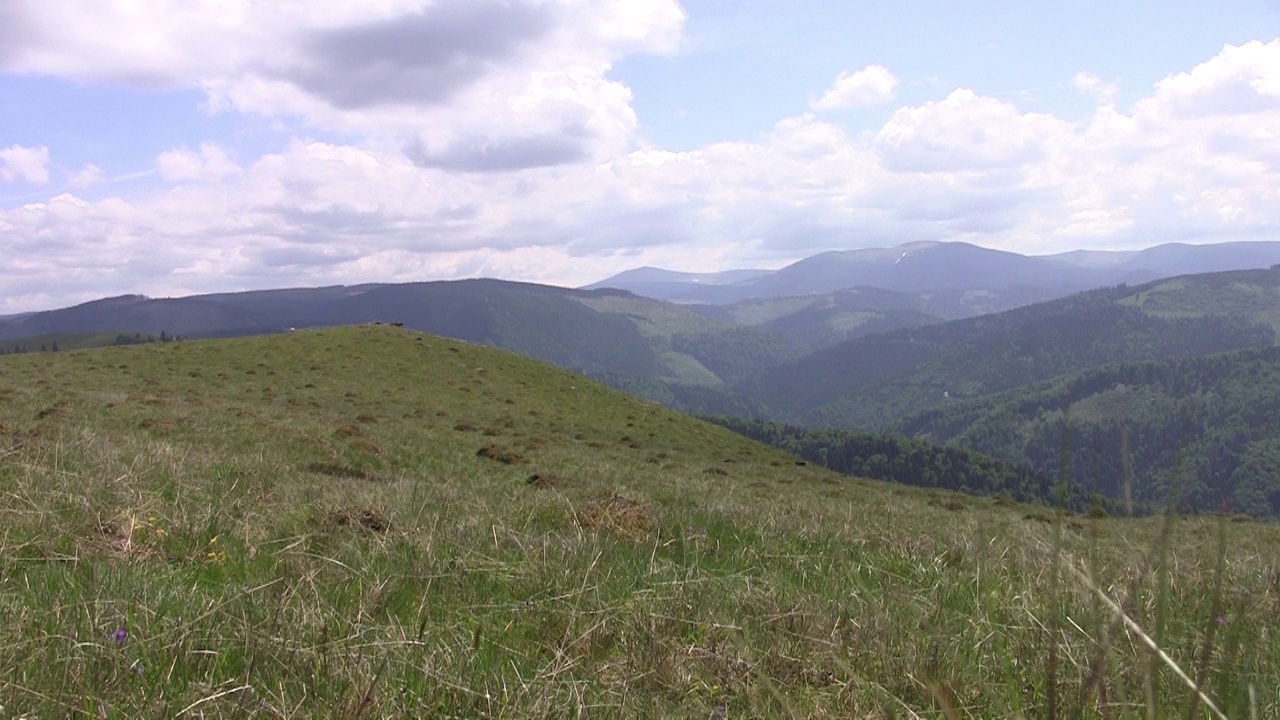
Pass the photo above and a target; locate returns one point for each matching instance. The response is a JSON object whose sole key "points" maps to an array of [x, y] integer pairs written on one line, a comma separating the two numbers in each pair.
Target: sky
{"points": [[176, 147]]}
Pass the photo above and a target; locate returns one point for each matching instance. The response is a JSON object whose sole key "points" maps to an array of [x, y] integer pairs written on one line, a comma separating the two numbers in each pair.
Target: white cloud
{"points": [[872, 85], [1240, 80], [24, 164], [211, 164], [85, 177], [529, 171], [466, 84], [1089, 84], [966, 132]]}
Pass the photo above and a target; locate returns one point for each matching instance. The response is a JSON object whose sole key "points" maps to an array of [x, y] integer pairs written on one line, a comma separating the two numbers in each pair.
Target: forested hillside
{"points": [[633, 341], [874, 381], [1203, 432], [813, 322], [915, 462]]}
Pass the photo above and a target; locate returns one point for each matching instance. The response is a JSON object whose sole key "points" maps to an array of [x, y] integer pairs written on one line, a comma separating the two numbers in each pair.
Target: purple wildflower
{"points": [[120, 636], [1222, 619]]}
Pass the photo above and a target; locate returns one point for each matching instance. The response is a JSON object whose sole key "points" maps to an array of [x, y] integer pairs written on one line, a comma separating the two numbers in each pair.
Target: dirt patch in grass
{"points": [[544, 480], [715, 471], [948, 503], [624, 517], [368, 520], [54, 410], [533, 443], [154, 424], [503, 455], [119, 540], [358, 439], [466, 427]]}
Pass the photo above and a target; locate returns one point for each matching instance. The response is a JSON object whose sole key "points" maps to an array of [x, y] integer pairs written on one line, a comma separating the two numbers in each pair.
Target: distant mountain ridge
{"points": [[1180, 258], [934, 268], [853, 357], [639, 344], [870, 382]]}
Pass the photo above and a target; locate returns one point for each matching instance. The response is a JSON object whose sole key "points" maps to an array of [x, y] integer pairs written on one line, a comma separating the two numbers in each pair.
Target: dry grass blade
{"points": [[211, 698], [1146, 640]]}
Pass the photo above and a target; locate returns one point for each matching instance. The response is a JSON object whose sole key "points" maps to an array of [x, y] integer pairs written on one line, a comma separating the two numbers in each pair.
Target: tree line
{"points": [[920, 463]]}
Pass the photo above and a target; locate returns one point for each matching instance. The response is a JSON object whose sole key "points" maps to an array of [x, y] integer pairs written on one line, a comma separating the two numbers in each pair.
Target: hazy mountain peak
{"points": [[930, 267]]}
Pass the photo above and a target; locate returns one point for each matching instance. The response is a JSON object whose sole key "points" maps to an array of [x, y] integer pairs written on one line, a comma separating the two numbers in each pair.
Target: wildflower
{"points": [[120, 635], [1222, 619]]}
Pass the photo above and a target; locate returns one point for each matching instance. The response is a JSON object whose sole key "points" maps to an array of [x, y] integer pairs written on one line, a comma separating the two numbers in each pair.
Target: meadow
{"points": [[371, 523]]}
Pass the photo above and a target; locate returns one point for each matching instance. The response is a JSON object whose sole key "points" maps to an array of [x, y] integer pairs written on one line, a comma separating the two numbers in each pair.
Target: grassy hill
{"points": [[631, 341], [367, 522]]}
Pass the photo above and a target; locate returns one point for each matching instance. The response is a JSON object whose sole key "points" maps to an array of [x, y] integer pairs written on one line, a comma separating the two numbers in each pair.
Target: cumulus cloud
{"points": [[524, 167], [421, 57], [451, 78], [1089, 84], [966, 131], [85, 177], [1240, 80], [14, 33], [24, 164], [501, 154], [872, 85], [210, 164]]}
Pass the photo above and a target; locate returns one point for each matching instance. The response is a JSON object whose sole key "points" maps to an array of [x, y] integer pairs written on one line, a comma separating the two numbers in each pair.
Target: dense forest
{"points": [[1200, 432], [880, 456], [872, 382], [734, 352]]}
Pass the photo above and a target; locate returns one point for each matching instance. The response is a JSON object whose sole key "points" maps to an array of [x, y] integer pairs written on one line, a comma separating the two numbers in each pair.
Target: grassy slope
{"points": [[300, 526]]}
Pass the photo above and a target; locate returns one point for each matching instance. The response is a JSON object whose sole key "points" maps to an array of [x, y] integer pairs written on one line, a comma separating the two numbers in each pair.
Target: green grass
{"points": [[301, 526]]}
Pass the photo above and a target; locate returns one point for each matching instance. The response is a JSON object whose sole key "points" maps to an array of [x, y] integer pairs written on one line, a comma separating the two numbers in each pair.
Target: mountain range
{"points": [[968, 279], [919, 353]]}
